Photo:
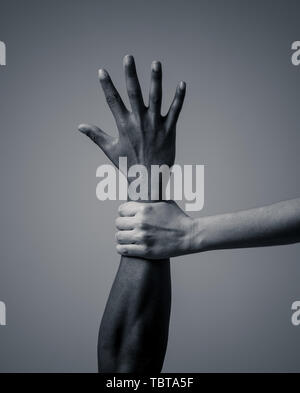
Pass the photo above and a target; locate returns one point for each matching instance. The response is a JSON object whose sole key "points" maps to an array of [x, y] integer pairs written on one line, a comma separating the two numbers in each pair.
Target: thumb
{"points": [[96, 135]]}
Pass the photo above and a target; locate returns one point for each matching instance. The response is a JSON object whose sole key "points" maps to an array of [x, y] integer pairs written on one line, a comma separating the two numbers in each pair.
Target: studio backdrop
{"points": [[231, 309]]}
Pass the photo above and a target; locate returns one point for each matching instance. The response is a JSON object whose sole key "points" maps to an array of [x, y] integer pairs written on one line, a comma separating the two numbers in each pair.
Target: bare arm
{"points": [[164, 230], [134, 329], [272, 225]]}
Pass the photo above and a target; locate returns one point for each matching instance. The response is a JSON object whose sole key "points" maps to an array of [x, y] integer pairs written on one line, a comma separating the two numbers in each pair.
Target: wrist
{"points": [[199, 235], [145, 191]]}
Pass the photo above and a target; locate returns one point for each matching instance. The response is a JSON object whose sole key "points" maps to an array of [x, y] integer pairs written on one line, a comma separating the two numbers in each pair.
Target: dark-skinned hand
{"points": [[145, 136]]}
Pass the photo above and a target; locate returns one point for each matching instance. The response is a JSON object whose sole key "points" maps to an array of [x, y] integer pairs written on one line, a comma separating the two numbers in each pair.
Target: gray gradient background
{"points": [[231, 309]]}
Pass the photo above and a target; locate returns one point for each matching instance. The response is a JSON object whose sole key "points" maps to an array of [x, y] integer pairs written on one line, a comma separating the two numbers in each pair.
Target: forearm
{"points": [[276, 224], [134, 329]]}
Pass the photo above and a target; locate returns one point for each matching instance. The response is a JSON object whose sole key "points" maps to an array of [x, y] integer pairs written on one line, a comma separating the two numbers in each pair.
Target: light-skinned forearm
{"points": [[276, 224]]}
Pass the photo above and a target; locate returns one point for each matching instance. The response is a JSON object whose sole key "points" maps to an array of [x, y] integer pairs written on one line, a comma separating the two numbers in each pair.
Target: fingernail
{"points": [[128, 59], [156, 66], [102, 74], [82, 128], [182, 85]]}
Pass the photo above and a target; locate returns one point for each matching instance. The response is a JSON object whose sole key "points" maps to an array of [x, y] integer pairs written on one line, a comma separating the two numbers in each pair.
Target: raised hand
{"points": [[145, 136]]}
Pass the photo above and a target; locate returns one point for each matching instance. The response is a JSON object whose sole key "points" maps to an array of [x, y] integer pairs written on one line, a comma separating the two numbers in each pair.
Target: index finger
{"points": [[112, 96], [129, 209]]}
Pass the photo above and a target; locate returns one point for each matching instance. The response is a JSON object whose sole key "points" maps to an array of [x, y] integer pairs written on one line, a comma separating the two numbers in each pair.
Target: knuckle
{"points": [[142, 236], [132, 94], [145, 209], [92, 135], [112, 98], [146, 250], [155, 100], [129, 204], [141, 225], [148, 239], [121, 249], [149, 209], [142, 208], [117, 222], [145, 226], [121, 209]]}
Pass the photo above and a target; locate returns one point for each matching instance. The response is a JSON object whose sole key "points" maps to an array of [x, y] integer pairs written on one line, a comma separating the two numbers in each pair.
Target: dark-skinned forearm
{"points": [[134, 329]]}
